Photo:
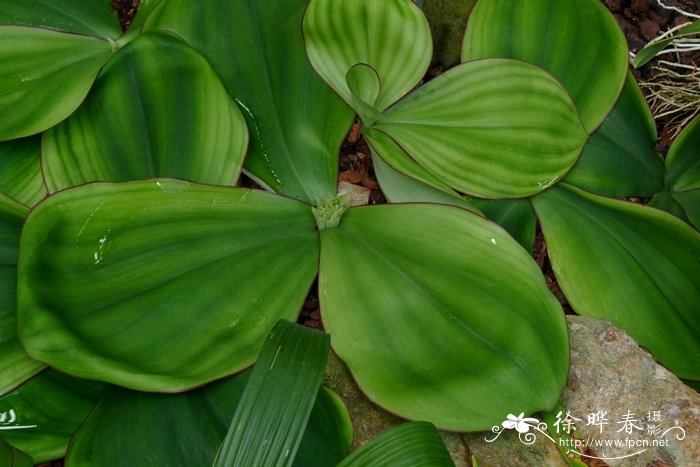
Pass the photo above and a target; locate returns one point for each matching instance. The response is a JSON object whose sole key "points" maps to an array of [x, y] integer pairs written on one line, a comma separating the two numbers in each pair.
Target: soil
{"points": [[640, 20]]}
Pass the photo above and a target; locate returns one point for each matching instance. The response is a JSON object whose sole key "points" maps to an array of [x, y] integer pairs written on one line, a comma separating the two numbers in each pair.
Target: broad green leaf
{"points": [[514, 215], [413, 183], [392, 37], [133, 428], [409, 445], [493, 128], [13, 457], [20, 171], [328, 433], [571, 39], [296, 122], [117, 279], [440, 315], [653, 48], [169, 117], [619, 159], [270, 419], [632, 265], [15, 365], [44, 76], [51, 406], [85, 17]]}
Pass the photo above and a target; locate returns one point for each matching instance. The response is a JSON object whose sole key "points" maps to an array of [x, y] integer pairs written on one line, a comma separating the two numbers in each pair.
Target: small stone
{"points": [[359, 195]]}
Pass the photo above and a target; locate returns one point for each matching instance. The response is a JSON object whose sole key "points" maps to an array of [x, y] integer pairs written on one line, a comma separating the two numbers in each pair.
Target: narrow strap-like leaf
{"points": [[416, 444], [653, 48], [270, 419]]}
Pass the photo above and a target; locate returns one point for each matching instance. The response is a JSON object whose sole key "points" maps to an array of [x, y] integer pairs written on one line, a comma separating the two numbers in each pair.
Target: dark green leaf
{"points": [[433, 307], [683, 159], [168, 117], [44, 76], [416, 444], [52, 405], [132, 428], [13, 457], [15, 365], [157, 285], [296, 122], [571, 39], [86, 17], [619, 159], [635, 266], [269, 421], [492, 128], [682, 193], [20, 171], [328, 434], [514, 215]]}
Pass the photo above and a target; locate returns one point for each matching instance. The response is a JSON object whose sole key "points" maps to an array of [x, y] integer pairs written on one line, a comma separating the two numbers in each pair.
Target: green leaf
{"points": [[514, 215], [15, 365], [13, 457], [619, 159], [683, 159], [44, 76], [392, 37], [664, 200], [451, 311], [492, 128], [51, 406], [169, 117], [412, 183], [682, 193], [408, 445], [632, 265], [186, 429], [85, 17], [653, 48], [328, 433], [296, 122], [570, 39], [20, 171], [117, 279], [269, 421], [135, 428]]}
